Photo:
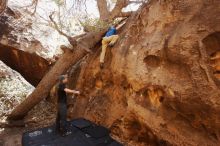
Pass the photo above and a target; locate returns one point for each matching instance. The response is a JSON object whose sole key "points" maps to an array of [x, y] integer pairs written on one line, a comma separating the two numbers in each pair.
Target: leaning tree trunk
{"points": [[3, 5], [67, 60]]}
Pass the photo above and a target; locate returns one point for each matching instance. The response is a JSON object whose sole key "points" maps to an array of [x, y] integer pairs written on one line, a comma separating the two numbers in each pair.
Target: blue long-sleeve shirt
{"points": [[111, 31]]}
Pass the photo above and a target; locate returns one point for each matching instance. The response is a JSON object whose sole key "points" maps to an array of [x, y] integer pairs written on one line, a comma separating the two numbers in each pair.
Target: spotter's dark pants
{"points": [[61, 122]]}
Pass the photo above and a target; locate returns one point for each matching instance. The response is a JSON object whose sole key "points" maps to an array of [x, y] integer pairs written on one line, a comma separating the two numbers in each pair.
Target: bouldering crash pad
{"points": [[81, 132]]}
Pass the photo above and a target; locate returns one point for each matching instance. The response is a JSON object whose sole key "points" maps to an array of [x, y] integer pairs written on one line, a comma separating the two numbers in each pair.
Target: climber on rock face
{"points": [[109, 39], [61, 122]]}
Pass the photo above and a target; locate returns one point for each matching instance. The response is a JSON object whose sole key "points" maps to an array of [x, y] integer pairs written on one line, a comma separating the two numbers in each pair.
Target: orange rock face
{"points": [[160, 83]]}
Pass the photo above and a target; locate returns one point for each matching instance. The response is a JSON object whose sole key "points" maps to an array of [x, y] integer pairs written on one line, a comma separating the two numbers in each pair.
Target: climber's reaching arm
{"points": [[71, 91]]}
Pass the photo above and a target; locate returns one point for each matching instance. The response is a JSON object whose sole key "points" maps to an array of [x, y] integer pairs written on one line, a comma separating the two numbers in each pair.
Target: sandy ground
{"points": [[11, 136]]}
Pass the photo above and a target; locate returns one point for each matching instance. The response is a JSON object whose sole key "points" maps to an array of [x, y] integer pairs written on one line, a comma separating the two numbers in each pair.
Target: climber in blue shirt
{"points": [[109, 40], [111, 31]]}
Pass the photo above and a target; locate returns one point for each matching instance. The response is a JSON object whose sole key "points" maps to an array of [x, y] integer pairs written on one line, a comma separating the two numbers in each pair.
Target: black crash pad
{"points": [[82, 133]]}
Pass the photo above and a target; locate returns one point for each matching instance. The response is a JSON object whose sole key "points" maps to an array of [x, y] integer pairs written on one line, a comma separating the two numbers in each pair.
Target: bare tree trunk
{"points": [[67, 60], [117, 9], [3, 5], [103, 9], [12, 124]]}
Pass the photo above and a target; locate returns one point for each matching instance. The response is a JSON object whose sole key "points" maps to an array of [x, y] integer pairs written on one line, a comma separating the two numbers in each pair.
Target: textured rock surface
{"points": [[33, 32], [160, 84], [31, 66], [17, 32], [22, 29], [26, 34], [19, 50], [13, 89]]}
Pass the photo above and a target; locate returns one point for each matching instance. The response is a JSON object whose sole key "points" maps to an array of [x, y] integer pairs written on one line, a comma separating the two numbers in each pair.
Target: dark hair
{"points": [[62, 77]]}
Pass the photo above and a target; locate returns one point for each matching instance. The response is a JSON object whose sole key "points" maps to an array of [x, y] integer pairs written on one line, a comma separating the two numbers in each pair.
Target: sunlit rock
{"points": [[13, 89]]}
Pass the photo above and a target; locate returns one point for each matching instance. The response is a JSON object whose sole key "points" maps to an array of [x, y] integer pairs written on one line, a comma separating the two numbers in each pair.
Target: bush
{"points": [[95, 24]]}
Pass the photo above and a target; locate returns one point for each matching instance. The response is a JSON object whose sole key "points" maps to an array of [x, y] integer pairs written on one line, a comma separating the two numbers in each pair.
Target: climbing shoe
{"points": [[101, 65], [111, 44]]}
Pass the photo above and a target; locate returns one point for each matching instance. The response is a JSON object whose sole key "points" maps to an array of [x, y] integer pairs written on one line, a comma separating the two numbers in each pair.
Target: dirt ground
{"points": [[11, 137]]}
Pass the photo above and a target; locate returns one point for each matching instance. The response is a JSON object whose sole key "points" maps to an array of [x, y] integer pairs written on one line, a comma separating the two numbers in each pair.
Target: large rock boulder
{"points": [[30, 65], [19, 51], [27, 32], [13, 89], [160, 84]]}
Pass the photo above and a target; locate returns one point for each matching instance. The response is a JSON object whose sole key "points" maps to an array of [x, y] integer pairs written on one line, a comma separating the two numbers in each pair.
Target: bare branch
{"points": [[34, 3], [12, 124], [3, 5], [103, 9], [137, 2], [79, 36], [72, 40], [57, 27], [118, 7], [125, 14], [85, 28]]}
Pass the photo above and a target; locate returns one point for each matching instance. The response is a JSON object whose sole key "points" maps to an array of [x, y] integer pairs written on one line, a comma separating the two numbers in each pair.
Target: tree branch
{"points": [[125, 14], [85, 28], [72, 40], [57, 27], [117, 9], [137, 2], [79, 36], [103, 9], [12, 124], [3, 6], [34, 3]]}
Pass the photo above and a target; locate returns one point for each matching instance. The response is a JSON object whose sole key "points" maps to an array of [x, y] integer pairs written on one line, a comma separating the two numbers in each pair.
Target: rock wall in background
{"points": [[33, 34], [13, 89], [30, 65], [160, 84], [20, 48]]}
